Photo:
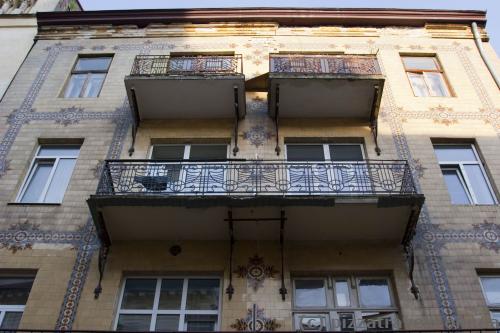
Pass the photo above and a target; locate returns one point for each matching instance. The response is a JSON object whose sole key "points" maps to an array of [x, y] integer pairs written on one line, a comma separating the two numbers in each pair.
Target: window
{"points": [[169, 304], [491, 291], [49, 174], [344, 303], [14, 292], [426, 76], [87, 76], [337, 168], [464, 174]]}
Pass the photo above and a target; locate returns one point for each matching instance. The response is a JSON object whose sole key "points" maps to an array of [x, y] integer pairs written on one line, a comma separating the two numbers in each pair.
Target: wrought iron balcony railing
{"points": [[251, 178], [324, 64], [157, 65]]}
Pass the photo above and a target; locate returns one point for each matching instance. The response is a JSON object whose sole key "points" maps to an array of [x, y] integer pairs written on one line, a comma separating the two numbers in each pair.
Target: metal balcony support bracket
{"points": [[283, 290], [374, 116], [135, 121], [410, 259], [374, 129], [103, 257], [230, 288], [236, 121], [276, 119]]}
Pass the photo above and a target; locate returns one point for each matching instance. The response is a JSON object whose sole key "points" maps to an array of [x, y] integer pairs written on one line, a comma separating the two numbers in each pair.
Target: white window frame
{"points": [[13, 308], [460, 166], [31, 172], [492, 307], [88, 74], [332, 310], [423, 72], [182, 312]]}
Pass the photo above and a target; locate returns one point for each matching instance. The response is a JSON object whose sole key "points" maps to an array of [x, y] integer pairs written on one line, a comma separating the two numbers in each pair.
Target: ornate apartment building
{"points": [[252, 169]]}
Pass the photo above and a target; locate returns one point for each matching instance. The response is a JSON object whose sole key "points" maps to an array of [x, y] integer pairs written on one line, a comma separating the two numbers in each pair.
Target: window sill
{"points": [[34, 204]]}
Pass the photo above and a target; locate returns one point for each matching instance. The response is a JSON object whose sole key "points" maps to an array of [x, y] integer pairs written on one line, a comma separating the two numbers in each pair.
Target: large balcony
{"points": [[156, 200], [186, 87], [347, 87]]}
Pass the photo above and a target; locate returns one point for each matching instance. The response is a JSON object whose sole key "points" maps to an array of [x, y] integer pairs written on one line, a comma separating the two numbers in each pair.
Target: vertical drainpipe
{"points": [[477, 39]]}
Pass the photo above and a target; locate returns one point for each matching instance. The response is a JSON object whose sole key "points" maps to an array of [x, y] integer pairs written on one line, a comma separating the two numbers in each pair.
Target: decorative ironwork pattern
{"points": [[187, 65], [324, 64], [255, 177]]}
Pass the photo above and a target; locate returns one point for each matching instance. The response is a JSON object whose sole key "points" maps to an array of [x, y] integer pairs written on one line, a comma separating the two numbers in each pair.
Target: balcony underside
{"points": [[325, 96], [322, 217], [186, 97]]}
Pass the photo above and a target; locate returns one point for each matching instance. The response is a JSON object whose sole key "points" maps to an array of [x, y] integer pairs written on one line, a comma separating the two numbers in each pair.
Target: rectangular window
{"points": [[338, 168], [491, 291], [464, 174], [49, 174], [87, 76], [344, 303], [169, 304], [14, 292], [426, 76]]}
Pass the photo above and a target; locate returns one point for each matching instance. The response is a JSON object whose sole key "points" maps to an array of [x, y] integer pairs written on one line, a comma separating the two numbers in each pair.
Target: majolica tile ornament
{"points": [[256, 323], [256, 272]]}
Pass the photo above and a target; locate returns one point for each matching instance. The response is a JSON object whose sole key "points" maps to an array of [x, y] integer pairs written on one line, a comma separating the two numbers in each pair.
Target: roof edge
{"points": [[282, 16]]}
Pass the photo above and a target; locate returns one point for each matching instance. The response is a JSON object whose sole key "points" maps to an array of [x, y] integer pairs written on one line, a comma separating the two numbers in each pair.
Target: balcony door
{"points": [[326, 168], [190, 168]]}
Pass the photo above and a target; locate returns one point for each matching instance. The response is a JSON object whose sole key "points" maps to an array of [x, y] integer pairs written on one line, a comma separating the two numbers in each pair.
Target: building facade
{"points": [[18, 30], [251, 169]]}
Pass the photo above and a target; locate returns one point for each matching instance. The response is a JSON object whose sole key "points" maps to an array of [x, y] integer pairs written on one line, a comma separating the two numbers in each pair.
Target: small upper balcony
{"points": [[190, 200], [186, 87], [346, 87]]}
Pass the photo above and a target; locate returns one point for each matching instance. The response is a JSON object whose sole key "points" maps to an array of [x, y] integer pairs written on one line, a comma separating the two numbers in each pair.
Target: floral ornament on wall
{"points": [[256, 271], [257, 135], [17, 238], [262, 323], [490, 235]]}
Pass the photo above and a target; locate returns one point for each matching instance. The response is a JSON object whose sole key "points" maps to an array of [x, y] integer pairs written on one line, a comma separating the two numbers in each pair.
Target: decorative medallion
{"points": [[68, 116], [256, 271], [19, 236], [257, 135], [262, 323], [490, 235]]}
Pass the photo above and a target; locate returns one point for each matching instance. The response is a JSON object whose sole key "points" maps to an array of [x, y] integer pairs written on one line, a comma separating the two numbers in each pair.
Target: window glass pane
{"points": [[139, 294], [168, 152], [346, 322], [94, 85], [200, 323], [39, 178], [436, 84], [376, 321], [60, 180], [418, 85], [346, 153], [305, 153], [59, 151], [167, 323], [133, 322], [454, 153], [93, 64], [11, 320], [491, 287], [495, 318], [477, 181], [310, 293], [203, 294], [342, 293], [420, 63], [374, 293], [208, 152], [171, 294], [458, 193], [15, 291], [75, 85]]}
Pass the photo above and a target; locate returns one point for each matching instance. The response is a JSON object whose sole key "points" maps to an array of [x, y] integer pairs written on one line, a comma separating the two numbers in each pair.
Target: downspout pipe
{"points": [[479, 44]]}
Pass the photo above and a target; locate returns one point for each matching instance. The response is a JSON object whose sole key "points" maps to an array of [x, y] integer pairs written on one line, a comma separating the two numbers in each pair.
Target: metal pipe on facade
{"points": [[477, 39]]}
